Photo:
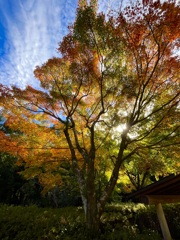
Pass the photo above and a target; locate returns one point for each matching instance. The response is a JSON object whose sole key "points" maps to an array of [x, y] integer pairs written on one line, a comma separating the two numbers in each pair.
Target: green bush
{"points": [[121, 222], [28, 223]]}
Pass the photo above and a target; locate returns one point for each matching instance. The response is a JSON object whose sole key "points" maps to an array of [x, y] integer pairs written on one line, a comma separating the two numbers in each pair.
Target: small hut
{"points": [[166, 190]]}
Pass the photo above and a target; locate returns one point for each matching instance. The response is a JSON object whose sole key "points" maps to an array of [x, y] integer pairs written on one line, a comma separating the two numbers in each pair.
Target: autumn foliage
{"points": [[115, 70]]}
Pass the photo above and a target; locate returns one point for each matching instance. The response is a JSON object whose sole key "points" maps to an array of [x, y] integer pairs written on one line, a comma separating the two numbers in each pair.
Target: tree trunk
{"points": [[92, 217]]}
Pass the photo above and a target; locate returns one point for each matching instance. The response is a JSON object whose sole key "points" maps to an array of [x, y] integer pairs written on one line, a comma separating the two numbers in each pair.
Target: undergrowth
{"points": [[121, 222]]}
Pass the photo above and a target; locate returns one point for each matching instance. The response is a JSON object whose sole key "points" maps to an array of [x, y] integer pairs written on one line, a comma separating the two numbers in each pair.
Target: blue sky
{"points": [[29, 34], [30, 31]]}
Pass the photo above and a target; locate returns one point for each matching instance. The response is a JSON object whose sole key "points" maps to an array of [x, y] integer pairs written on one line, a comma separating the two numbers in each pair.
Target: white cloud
{"points": [[33, 32]]}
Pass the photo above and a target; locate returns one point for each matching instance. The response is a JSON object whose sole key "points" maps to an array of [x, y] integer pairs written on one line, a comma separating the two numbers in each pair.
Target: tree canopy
{"points": [[119, 71]]}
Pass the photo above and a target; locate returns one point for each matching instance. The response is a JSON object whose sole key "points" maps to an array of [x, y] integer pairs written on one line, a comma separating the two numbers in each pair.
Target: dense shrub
{"points": [[121, 222], [28, 223]]}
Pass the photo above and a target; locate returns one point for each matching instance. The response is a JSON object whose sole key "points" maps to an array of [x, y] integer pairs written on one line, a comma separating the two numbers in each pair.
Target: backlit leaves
{"points": [[116, 70]]}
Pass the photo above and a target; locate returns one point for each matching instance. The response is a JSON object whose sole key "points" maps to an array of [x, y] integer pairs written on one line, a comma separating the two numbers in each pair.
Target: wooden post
{"points": [[163, 222]]}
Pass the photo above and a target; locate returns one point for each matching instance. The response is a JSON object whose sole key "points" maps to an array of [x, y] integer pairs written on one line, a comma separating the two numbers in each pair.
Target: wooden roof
{"points": [[165, 190]]}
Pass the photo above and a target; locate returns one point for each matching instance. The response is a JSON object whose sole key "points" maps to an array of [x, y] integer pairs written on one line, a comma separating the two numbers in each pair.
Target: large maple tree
{"points": [[116, 70]]}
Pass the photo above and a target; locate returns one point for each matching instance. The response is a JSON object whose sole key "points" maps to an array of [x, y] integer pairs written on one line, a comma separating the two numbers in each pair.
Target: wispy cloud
{"points": [[33, 30]]}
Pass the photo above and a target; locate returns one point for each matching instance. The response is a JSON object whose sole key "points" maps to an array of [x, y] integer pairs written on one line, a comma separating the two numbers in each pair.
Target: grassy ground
{"points": [[121, 222]]}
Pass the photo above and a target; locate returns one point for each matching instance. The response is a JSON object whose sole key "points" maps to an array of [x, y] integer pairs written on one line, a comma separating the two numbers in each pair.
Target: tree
{"points": [[15, 189], [148, 166], [120, 70]]}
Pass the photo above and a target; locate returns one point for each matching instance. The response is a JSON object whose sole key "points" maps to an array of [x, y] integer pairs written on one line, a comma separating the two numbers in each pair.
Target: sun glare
{"points": [[120, 128]]}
